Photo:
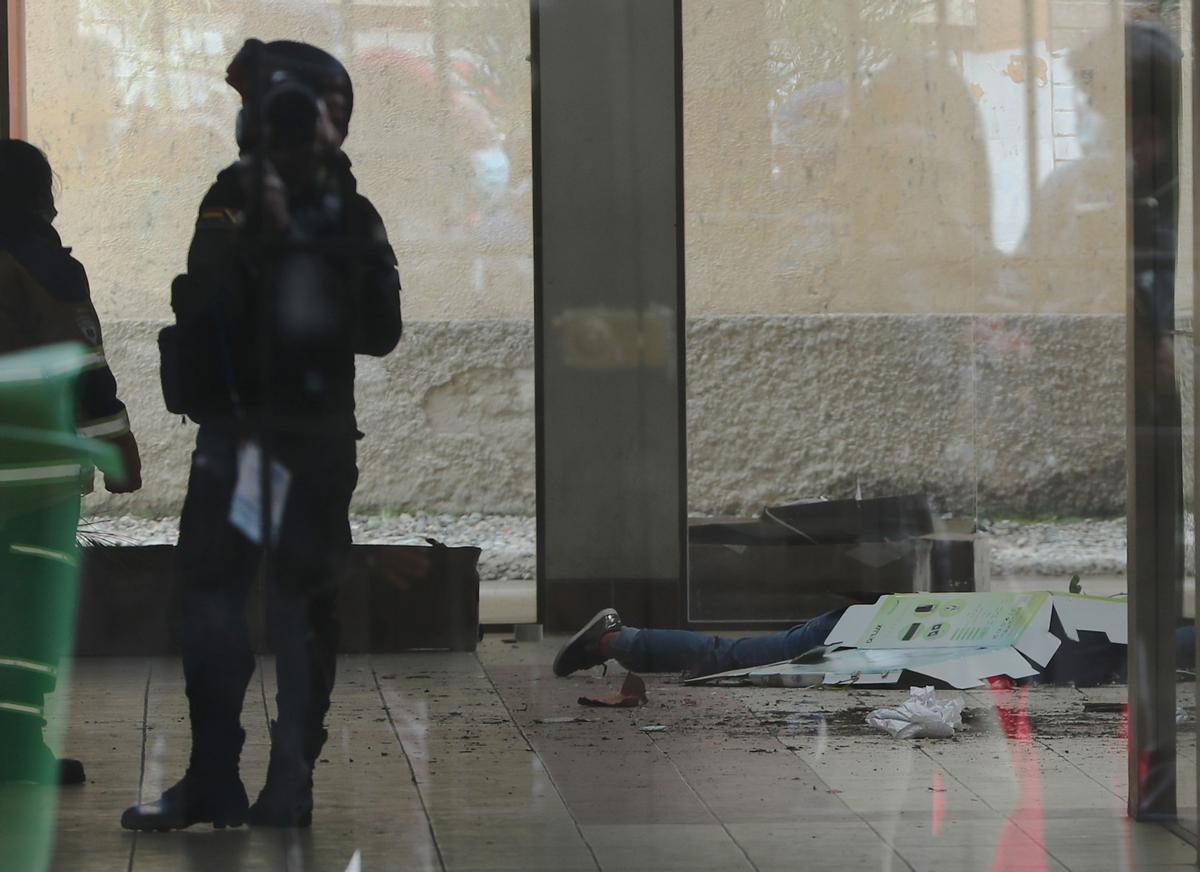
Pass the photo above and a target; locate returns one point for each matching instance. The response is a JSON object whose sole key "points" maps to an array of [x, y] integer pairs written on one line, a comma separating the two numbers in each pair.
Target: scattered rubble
{"points": [[631, 695]]}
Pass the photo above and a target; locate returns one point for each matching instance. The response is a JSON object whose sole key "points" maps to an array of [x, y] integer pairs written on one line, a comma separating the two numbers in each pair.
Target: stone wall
{"points": [[1010, 415]]}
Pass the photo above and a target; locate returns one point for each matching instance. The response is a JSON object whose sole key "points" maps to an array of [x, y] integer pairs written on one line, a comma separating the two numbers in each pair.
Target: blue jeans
{"points": [[702, 654]]}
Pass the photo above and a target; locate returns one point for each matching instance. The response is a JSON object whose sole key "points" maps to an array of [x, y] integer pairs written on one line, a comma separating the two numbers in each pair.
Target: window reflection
{"points": [[129, 98]]}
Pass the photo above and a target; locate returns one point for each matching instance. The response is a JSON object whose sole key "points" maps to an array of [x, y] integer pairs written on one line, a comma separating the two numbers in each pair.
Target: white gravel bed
{"points": [[507, 541], [1065, 548], [1050, 549]]}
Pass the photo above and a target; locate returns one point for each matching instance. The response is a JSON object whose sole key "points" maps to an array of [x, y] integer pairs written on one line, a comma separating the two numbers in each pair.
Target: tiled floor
{"points": [[458, 762]]}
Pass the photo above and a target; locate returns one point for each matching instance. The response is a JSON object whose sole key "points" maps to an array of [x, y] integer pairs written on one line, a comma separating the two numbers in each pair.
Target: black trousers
{"points": [[217, 566]]}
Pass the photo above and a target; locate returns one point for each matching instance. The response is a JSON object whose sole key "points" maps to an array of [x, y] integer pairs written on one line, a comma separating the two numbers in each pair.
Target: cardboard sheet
{"points": [[942, 620], [961, 639], [1037, 642], [1105, 615], [959, 668]]}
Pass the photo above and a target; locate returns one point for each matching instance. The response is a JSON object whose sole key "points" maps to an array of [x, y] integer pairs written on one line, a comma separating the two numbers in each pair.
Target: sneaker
{"points": [[583, 650], [190, 802]]}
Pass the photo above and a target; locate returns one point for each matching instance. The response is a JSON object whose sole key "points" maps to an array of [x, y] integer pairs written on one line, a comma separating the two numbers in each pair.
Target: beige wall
{"points": [[877, 193], [897, 178], [128, 99]]}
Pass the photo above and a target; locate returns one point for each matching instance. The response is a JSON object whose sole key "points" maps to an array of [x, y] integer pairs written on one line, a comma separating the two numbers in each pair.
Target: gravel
{"points": [[1057, 548], [507, 541], [1050, 549]]}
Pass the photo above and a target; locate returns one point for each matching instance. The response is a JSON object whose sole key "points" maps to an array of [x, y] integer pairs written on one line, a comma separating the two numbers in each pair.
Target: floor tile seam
{"points": [[869, 824], [1050, 853], [260, 672], [704, 803], [1178, 829], [1041, 842], [133, 842], [1088, 775], [262, 693], [817, 775], [412, 773], [953, 777], [544, 765]]}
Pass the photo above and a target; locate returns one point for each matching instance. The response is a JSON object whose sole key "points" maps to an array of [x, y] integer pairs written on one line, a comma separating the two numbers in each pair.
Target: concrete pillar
{"points": [[609, 308]]}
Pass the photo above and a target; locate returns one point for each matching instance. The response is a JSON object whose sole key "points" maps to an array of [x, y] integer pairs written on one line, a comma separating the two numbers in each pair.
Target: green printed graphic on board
{"points": [[941, 620]]}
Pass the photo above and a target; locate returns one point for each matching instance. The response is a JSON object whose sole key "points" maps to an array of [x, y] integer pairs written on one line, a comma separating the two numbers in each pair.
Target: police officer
{"points": [[44, 299], [289, 276]]}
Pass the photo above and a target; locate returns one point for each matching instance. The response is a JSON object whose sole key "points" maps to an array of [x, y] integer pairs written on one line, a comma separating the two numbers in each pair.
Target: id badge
{"points": [[245, 510]]}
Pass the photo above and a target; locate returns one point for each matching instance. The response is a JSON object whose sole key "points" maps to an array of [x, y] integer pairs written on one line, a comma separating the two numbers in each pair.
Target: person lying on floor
{"points": [[1091, 661], [605, 638]]}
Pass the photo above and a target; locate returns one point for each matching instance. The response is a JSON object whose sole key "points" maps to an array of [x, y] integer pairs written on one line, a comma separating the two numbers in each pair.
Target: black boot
{"points": [[70, 771], [38, 765], [286, 799], [210, 792], [24, 756]]}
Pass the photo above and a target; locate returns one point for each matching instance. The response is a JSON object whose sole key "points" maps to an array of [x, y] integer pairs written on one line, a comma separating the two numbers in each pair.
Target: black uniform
{"points": [[266, 334], [44, 299]]}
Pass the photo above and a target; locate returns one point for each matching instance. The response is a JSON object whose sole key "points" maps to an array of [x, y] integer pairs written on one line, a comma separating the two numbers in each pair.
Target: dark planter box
{"points": [[779, 585], [125, 601], [799, 560], [404, 603], [832, 522], [391, 598]]}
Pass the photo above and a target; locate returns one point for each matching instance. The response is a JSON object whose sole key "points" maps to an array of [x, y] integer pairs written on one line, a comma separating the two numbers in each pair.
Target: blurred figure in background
{"points": [[45, 299], [917, 201]]}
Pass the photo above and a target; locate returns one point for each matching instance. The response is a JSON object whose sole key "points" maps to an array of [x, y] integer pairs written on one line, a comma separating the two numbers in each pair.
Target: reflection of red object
{"points": [[1017, 847], [414, 66], [938, 811], [1022, 846], [471, 123]]}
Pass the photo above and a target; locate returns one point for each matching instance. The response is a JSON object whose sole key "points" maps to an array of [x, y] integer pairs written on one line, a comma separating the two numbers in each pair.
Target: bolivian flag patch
{"points": [[218, 216]]}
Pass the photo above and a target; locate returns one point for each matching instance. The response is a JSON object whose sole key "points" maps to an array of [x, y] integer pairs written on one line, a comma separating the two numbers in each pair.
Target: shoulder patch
{"points": [[88, 327], [219, 216]]}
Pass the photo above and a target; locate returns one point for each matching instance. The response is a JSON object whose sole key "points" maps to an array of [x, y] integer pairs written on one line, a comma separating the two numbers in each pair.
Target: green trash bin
{"points": [[42, 462]]}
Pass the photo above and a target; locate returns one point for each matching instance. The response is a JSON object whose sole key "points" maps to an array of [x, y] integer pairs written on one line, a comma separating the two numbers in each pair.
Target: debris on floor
{"points": [[631, 695], [654, 728], [922, 716], [959, 639]]}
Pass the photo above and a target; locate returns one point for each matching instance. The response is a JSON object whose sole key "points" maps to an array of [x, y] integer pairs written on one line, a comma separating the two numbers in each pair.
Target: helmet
{"points": [[259, 67]]}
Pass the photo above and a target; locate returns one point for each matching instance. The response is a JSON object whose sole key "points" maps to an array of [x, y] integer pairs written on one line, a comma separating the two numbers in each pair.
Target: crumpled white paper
{"points": [[921, 716]]}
